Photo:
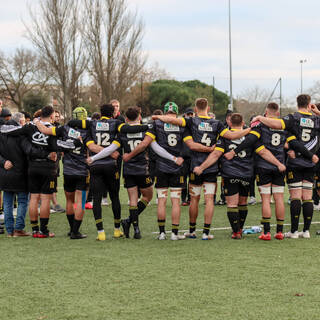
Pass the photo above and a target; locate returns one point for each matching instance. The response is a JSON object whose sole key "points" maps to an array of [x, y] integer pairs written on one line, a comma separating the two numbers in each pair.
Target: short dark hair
{"points": [[133, 113], [46, 111], [273, 107], [95, 116], [236, 119], [157, 112], [201, 103], [26, 114], [303, 100], [107, 110]]}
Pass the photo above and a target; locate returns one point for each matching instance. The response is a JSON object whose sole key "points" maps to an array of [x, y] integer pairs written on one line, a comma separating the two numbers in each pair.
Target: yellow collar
{"points": [[308, 113], [204, 117], [104, 118]]}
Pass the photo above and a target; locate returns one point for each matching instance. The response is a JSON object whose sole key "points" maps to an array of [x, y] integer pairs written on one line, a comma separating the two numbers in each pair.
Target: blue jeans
{"points": [[23, 201]]}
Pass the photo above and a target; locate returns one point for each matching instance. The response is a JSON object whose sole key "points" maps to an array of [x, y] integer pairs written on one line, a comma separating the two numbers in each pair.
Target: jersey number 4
{"points": [[206, 140]]}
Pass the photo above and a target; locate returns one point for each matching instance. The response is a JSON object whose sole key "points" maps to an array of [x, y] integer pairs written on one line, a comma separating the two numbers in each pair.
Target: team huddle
{"points": [[97, 151]]}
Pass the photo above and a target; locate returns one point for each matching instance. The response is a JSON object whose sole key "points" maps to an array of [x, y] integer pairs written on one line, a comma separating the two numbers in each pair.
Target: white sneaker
{"points": [[252, 201], [162, 236], [207, 236], [304, 234], [290, 235], [104, 202], [177, 236], [316, 207], [191, 235]]}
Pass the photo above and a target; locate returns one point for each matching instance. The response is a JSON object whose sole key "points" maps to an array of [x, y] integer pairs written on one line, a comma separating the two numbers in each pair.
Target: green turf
{"points": [[149, 279]]}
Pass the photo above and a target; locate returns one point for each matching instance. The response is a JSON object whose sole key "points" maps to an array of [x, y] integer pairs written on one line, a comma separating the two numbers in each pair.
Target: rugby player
{"points": [[204, 131], [269, 179], [136, 170], [168, 175], [300, 170], [75, 172], [236, 173]]}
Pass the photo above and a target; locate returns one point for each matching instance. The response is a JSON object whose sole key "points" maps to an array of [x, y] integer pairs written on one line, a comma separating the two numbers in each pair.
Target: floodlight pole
{"points": [[230, 59], [302, 61]]}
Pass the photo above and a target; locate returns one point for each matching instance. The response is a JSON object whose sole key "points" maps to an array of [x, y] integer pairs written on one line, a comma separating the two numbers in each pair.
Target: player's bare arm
{"points": [[268, 156], [140, 148], [212, 158]]}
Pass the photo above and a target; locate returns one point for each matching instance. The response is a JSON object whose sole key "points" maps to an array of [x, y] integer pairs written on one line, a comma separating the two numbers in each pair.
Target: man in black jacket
{"points": [[13, 178]]}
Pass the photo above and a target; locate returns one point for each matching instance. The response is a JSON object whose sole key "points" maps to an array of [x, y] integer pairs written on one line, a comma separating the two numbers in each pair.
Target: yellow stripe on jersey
{"points": [[116, 143], [219, 149], [84, 124], [291, 138], [183, 122], [89, 142], [260, 148], [283, 124], [120, 126], [151, 135], [187, 138], [54, 133], [255, 133], [223, 132]]}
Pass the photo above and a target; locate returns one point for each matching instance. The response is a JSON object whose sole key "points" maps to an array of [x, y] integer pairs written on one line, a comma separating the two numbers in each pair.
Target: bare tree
{"points": [[251, 102], [113, 37], [55, 33], [20, 74]]}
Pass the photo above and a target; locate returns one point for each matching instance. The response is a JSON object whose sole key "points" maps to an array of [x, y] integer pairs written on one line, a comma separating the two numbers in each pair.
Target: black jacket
{"points": [[15, 149]]}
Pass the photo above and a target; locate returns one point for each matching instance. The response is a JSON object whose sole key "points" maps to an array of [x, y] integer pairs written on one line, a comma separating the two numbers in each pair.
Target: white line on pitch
{"points": [[229, 228]]}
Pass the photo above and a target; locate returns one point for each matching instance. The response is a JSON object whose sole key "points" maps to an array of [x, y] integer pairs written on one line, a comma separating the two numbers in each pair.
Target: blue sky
{"points": [[189, 39]]}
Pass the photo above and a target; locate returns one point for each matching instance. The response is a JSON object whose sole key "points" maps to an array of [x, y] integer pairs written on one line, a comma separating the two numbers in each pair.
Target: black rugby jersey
{"points": [[138, 165], [242, 164], [74, 162], [305, 126], [274, 140], [204, 130], [170, 137]]}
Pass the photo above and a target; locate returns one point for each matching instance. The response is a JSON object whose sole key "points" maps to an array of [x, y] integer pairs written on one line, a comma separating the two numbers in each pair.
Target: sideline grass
{"points": [[147, 279]]}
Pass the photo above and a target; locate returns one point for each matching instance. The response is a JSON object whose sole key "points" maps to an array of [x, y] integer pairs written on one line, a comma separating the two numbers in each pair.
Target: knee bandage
{"points": [[265, 190], [295, 185], [277, 189], [195, 191], [209, 188], [306, 185], [175, 193], [162, 193]]}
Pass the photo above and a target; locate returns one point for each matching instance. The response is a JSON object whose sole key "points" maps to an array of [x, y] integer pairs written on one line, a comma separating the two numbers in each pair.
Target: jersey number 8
{"points": [[275, 139]]}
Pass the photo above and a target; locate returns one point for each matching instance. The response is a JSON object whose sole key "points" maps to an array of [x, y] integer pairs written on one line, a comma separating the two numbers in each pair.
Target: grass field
{"points": [[150, 279]]}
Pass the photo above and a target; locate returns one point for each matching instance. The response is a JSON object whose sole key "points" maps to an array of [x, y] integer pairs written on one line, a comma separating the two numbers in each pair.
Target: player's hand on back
{"points": [[282, 167], [197, 171], [315, 158], [230, 155], [291, 154], [8, 165], [179, 161], [115, 155], [126, 157]]}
